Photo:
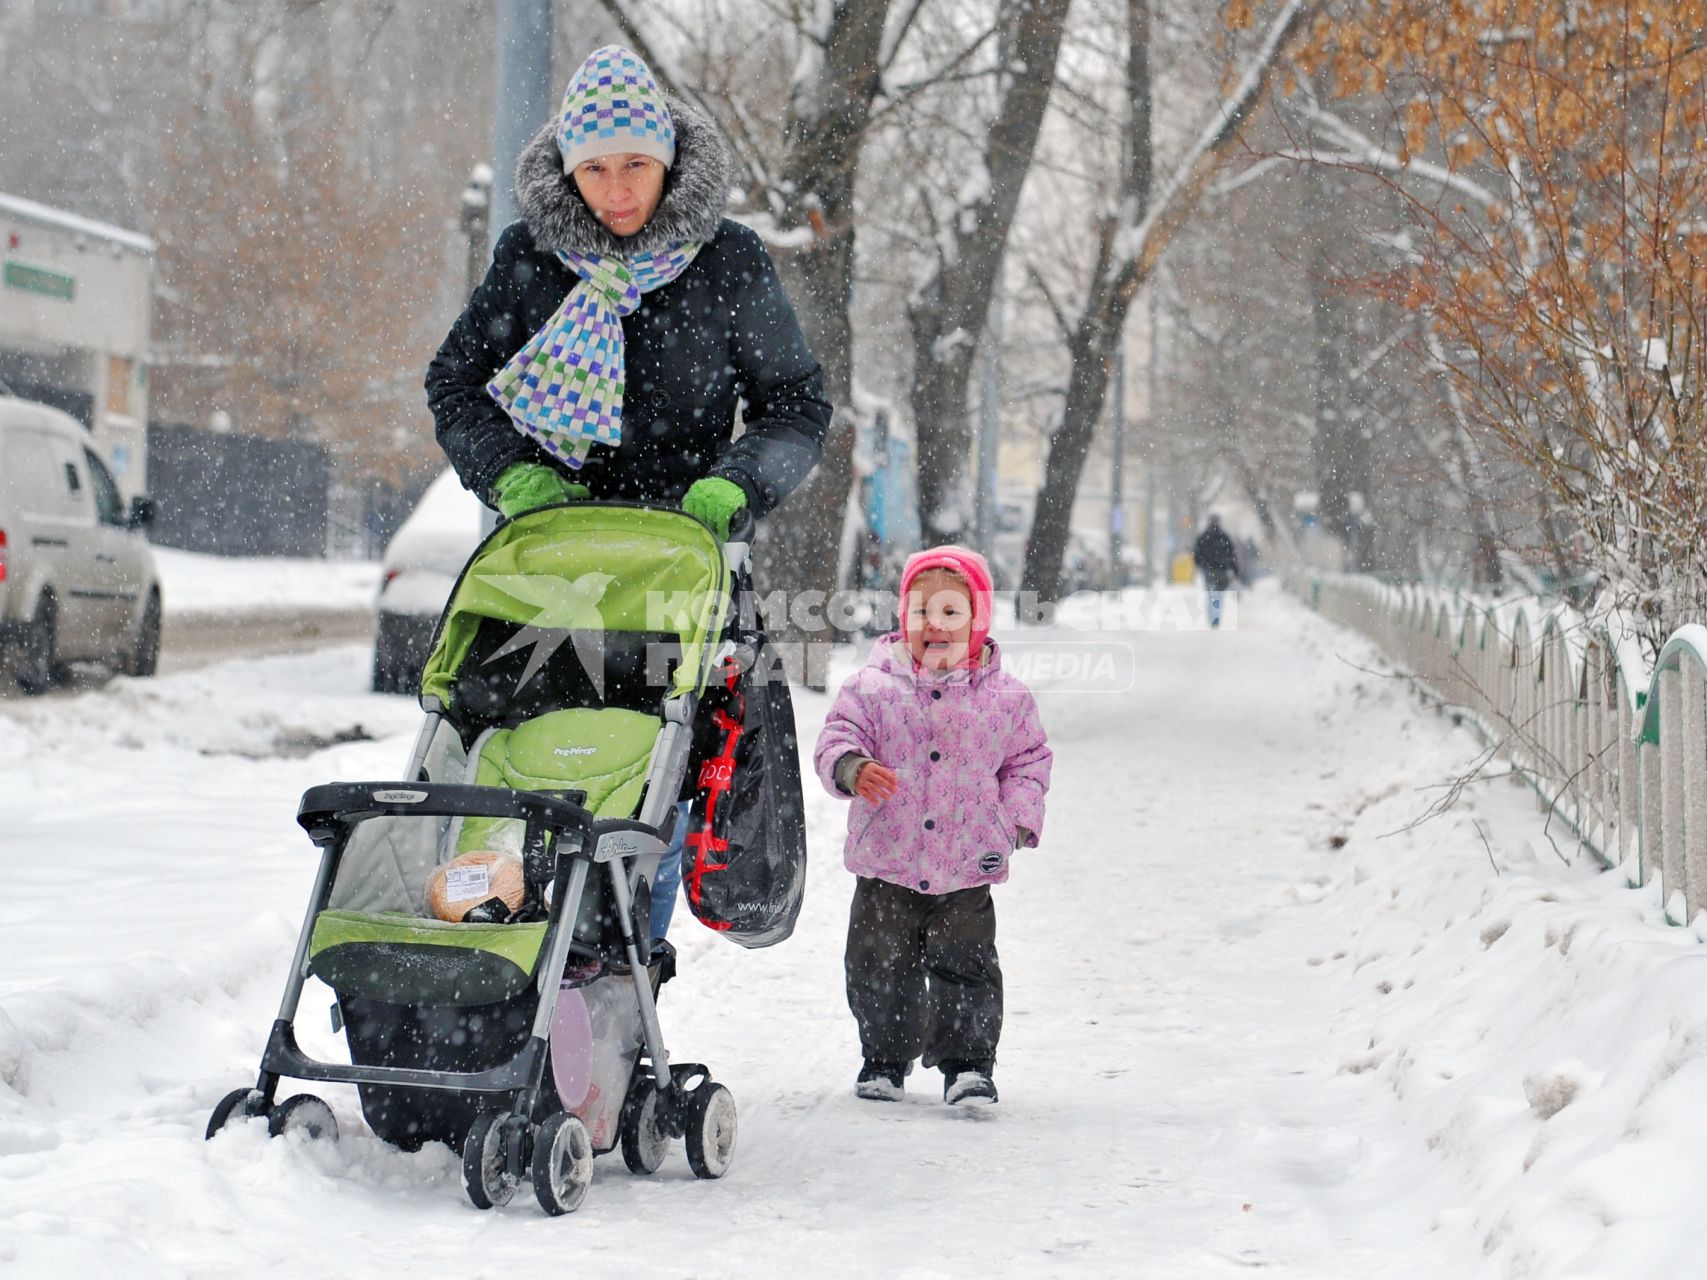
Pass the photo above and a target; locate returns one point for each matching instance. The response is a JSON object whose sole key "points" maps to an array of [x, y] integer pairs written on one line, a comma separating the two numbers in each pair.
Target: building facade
{"points": [[75, 314]]}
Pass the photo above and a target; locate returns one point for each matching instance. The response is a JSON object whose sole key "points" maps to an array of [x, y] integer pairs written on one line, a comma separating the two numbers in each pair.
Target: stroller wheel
{"points": [[483, 1173], [239, 1104], [644, 1139], [303, 1113], [562, 1164], [711, 1130]]}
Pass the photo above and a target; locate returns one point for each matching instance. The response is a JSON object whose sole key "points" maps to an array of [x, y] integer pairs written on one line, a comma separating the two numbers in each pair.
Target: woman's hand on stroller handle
{"points": [[719, 503]]}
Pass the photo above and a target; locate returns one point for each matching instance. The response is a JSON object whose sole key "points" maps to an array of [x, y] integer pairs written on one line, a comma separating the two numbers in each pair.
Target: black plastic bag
{"points": [[744, 859]]}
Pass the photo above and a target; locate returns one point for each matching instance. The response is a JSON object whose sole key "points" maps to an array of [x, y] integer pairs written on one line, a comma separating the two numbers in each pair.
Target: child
{"points": [[947, 760]]}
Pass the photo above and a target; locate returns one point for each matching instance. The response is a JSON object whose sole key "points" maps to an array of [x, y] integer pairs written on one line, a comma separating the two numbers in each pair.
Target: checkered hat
{"points": [[613, 105]]}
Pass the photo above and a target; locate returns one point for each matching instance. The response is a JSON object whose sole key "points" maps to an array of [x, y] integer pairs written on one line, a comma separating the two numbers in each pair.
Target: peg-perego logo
{"points": [[574, 751]]}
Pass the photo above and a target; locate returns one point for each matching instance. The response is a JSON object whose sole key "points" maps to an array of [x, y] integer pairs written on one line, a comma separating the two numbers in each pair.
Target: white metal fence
{"points": [[1618, 750]]}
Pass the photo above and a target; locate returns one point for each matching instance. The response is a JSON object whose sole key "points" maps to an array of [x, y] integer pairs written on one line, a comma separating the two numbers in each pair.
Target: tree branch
{"points": [[1141, 246], [1062, 322], [897, 36]]}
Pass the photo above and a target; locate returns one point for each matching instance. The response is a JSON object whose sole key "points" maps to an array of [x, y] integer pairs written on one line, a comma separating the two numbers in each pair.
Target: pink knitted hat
{"points": [[973, 570]]}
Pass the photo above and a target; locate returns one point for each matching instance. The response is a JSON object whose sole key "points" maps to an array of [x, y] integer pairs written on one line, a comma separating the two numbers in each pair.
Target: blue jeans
{"points": [[1216, 585], [668, 882]]}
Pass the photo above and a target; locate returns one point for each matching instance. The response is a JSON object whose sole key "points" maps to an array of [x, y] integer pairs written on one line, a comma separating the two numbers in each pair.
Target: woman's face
{"points": [[939, 620], [622, 190]]}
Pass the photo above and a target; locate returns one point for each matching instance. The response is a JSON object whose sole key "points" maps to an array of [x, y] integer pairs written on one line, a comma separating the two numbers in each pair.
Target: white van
{"points": [[77, 577]]}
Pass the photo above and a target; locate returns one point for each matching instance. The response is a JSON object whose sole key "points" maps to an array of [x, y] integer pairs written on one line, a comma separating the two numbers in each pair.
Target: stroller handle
{"points": [[333, 805], [738, 546], [741, 526]]}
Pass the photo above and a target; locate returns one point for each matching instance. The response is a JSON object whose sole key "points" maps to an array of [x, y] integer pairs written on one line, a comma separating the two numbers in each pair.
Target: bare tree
{"points": [[297, 163], [1129, 242], [967, 237]]}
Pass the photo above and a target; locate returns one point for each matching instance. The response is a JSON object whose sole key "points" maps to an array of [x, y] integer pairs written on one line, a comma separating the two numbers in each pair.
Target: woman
{"points": [[622, 321]]}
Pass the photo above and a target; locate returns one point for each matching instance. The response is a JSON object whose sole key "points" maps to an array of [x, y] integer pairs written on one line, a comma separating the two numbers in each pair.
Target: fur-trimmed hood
{"points": [[695, 193]]}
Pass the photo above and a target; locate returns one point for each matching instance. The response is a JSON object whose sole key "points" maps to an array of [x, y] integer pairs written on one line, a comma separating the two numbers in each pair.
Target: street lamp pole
{"points": [[1116, 507], [521, 104], [522, 101]]}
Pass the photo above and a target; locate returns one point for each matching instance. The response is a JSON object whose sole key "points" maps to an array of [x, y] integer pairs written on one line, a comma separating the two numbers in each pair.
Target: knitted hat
{"points": [[612, 106], [970, 568]]}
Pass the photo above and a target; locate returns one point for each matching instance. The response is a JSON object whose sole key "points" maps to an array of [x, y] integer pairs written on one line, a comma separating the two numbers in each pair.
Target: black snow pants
{"points": [[922, 973]]}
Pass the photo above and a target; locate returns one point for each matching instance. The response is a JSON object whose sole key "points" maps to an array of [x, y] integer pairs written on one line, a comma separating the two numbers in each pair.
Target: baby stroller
{"points": [[561, 695]]}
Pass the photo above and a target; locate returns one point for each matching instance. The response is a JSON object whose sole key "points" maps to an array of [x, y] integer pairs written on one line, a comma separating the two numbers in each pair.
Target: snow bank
{"points": [[1541, 1028], [192, 583]]}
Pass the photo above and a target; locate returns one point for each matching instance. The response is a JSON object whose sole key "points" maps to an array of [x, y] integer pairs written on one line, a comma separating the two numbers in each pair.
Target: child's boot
{"points": [[881, 1081], [968, 1084]]}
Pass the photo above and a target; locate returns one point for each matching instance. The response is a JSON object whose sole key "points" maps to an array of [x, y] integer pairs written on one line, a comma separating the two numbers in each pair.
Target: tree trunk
{"points": [[942, 372], [1091, 352], [952, 306], [826, 131], [800, 541], [1340, 449], [1091, 346]]}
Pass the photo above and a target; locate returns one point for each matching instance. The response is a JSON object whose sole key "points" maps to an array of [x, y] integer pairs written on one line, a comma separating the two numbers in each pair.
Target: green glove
{"points": [[715, 501], [526, 485]]}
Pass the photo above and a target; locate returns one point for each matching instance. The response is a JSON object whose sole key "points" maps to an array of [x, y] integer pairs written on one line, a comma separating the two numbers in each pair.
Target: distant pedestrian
{"points": [[945, 757], [1218, 561]]}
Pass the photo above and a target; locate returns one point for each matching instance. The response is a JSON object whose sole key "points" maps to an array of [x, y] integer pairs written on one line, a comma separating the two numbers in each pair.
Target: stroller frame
{"points": [[562, 842]]}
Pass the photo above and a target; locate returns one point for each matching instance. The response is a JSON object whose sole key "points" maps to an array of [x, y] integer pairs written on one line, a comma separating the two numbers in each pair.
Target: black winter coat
{"points": [[721, 333], [1216, 556]]}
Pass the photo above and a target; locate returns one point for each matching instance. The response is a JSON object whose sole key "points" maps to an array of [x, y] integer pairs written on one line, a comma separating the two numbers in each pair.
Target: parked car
{"points": [[78, 582], [421, 565]]}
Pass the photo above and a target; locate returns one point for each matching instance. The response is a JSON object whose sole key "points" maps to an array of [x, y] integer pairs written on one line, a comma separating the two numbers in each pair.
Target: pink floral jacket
{"points": [[973, 762]]}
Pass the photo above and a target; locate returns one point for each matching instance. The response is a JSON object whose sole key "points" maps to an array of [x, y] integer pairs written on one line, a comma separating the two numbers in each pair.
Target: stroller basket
{"points": [[400, 950]]}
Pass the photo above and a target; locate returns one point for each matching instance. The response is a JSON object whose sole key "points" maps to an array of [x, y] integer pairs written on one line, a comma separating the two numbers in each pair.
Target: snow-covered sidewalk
{"points": [[1252, 1023]]}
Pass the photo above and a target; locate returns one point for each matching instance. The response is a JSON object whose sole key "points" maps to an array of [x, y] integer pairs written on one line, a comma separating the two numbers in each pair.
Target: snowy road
{"points": [[1232, 1047], [229, 606], [220, 607]]}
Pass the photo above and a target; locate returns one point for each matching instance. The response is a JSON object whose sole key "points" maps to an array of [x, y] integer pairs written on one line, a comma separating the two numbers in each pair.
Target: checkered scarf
{"points": [[564, 388]]}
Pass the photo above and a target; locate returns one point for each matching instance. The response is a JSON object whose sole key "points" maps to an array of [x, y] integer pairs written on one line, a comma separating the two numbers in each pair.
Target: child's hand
{"points": [[875, 783]]}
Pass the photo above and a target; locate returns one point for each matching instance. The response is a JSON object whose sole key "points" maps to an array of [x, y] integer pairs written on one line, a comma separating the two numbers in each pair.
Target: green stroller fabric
{"points": [[589, 568], [603, 752], [403, 959]]}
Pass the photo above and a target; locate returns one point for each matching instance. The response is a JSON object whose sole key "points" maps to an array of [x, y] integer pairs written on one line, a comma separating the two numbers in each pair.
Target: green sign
{"points": [[36, 280]]}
